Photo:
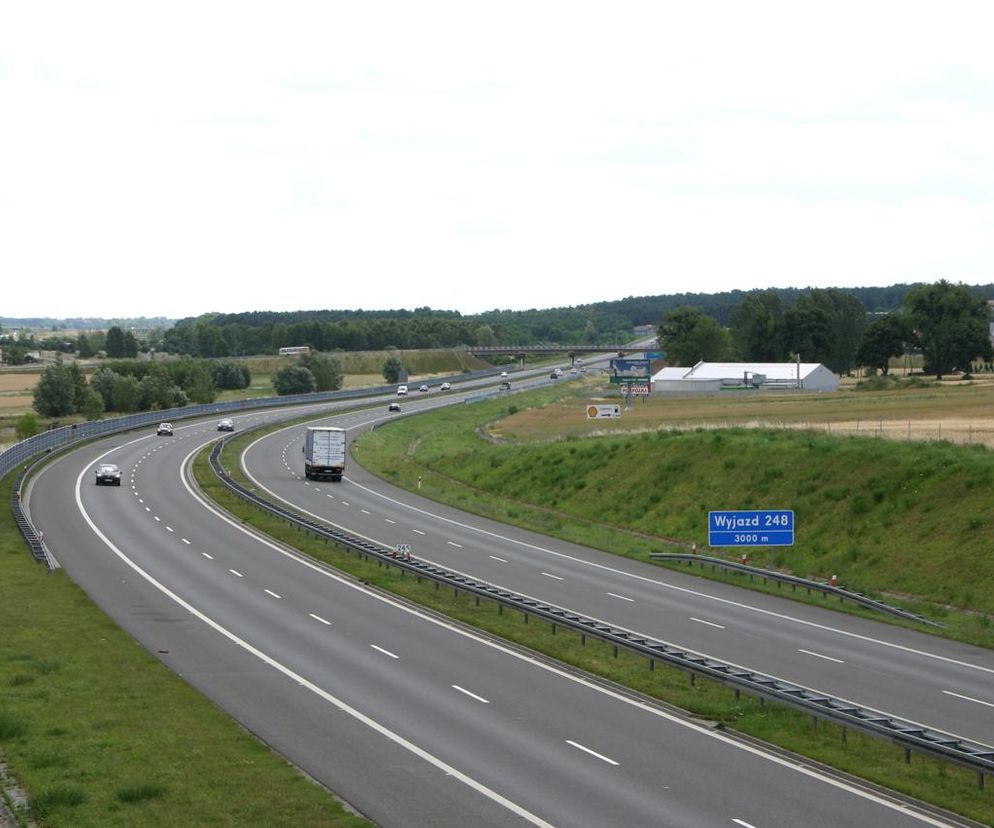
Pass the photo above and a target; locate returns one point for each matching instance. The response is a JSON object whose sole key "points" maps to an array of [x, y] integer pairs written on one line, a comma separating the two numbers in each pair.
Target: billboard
{"points": [[630, 370], [598, 412]]}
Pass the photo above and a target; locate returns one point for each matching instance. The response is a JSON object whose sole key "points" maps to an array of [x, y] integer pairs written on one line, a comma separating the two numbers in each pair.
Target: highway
{"points": [[940, 684], [411, 719]]}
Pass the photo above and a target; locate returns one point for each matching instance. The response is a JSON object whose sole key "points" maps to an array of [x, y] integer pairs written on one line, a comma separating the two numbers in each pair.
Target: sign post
{"points": [[751, 528]]}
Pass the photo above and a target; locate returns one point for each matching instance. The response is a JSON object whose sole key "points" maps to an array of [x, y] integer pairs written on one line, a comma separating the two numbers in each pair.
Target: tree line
{"points": [[948, 324]]}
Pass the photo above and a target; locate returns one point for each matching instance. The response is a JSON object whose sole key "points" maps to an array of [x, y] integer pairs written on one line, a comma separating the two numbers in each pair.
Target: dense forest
{"points": [[219, 335]]}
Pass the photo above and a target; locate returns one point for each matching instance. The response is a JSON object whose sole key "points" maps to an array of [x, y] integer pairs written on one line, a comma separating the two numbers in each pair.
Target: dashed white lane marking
{"points": [[389, 521], [471, 695], [365, 511], [743, 823], [169, 528], [600, 756], [967, 698], [157, 518], [236, 572], [319, 618], [185, 541], [819, 655], [554, 577], [346, 503], [209, 557], [622, 597], [709, 623], [385, 652], [417, 531], [453, 543], [275, 595], [502, 560]]}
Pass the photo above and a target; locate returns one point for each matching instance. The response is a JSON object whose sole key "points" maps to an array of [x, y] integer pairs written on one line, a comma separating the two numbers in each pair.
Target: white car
{"points": [[423, 388], [445, 386], [164, 429], [401, 390], [503, 374], [226, 425]]}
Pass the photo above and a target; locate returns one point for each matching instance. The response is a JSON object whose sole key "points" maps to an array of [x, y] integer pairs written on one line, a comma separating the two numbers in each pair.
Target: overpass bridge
{"points": [[572, 351]]}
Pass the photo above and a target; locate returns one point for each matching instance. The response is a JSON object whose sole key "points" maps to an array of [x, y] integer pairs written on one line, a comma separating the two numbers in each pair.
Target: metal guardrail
{"points": [[909, 735], [782, 577], [34, 539]]}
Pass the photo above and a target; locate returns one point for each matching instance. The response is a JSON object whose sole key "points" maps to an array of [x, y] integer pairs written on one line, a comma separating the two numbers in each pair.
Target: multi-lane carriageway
{"points": [[416, 721]]}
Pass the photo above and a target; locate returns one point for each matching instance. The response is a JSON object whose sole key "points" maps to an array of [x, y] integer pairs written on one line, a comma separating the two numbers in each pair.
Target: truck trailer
{"points": [[324, 453]]}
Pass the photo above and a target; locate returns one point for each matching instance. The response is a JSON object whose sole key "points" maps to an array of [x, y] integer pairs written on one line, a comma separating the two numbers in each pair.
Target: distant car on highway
{"points": [[393, 407], [108, 475], [401, 390], [505, 385], [423, 388], [165, 429], [445, 386], [553, 375], [225, 425], [503, 374]]}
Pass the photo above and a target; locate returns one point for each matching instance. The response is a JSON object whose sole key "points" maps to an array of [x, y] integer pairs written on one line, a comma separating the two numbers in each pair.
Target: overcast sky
{"points": [[172, 159]]}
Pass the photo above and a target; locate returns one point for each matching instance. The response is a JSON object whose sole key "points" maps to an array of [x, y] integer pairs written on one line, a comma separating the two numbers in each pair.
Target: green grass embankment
{"points": [[102, 734], [910, 521]]}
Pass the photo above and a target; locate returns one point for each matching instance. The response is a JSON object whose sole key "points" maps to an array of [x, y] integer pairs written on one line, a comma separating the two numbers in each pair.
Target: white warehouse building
{"points": [[713, 377]]}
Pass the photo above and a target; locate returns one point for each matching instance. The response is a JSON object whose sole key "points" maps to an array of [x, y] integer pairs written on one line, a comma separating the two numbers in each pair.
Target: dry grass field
{"points": [[959, 411]]}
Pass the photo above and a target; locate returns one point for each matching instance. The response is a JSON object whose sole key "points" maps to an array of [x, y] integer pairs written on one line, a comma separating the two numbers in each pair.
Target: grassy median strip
{"points": [[101, 734], [709, 702]]}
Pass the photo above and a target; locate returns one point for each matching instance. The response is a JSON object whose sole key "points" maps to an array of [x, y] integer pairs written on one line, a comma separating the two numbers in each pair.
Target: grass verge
{"points": [[101, 734]]}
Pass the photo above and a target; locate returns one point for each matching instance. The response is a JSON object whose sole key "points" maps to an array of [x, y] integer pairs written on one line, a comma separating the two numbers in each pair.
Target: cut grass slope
{"points": [[884, 516]]}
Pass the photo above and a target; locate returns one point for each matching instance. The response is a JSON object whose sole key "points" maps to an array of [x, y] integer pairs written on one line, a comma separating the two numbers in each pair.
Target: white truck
{"points": [[324, 452]]}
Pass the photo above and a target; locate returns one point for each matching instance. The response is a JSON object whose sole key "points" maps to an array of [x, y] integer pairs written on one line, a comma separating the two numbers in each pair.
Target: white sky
{"points": [[170, 159]]}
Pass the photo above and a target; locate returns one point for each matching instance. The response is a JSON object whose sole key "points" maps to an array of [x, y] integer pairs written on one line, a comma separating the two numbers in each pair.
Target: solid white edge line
{"points": [[303, 682]]}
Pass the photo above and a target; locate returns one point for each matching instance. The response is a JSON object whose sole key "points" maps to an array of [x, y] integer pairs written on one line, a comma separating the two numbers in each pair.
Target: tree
{"points": [[884, 338], [27, 425], [757, 328], [55, 393], [199, 382], [950, 324], [129, 346], [293, 379], [392, 366], [115, 342], [83, 346], [327, 371], [92, 405], [689, 336]]}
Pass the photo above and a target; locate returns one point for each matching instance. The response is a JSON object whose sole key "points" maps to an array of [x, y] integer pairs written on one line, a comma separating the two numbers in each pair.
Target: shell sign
{"points": [[599, 412]]}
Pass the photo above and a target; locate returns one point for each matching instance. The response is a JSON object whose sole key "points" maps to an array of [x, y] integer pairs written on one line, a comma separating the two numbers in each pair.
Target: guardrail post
{"points": [[907, 756], [980, 780]]}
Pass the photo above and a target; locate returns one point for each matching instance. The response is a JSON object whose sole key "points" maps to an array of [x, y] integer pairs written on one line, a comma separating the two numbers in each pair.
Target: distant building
{"points": [[714, 377]]}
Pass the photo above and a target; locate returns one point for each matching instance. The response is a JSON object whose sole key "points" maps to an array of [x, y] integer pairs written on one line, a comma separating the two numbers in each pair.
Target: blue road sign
{"points": [[751, 528]]}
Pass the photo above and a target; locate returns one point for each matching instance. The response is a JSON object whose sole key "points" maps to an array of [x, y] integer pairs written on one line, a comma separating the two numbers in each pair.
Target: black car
{"points": [[108, 475], [505, 385], [225, 425]]}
